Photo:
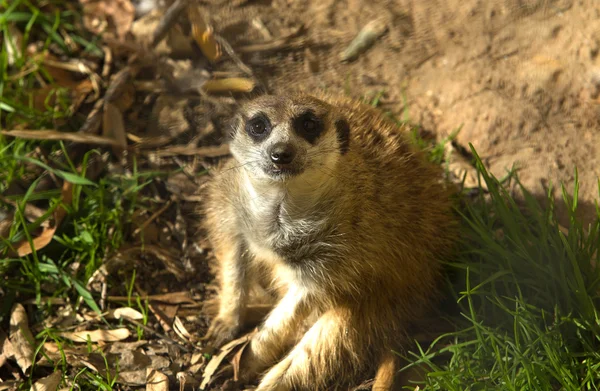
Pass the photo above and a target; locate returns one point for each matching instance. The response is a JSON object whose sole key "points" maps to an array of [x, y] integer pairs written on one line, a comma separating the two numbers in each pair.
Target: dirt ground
{"points": [[521, 78]]}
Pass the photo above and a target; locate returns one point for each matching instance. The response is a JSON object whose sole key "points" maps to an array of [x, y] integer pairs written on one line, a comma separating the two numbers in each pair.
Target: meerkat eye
{"points": [[258, 127], [308, 126]]}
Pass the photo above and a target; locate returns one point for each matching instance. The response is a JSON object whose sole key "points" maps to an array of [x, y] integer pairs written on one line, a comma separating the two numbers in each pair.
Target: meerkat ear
{"points": [[342, 129]]}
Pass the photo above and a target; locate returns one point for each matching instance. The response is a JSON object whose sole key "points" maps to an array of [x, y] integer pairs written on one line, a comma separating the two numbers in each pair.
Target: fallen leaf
{"points": [[112, 15], [168, 117], [133, 360], [48, 383], [180, 329], [203, 34], [53, 352], [66, 76], [14, 42], [289, 41], [6, 220], [113, 127], [216, 360], [97, 335], [11, 385], [5, 348], [144, 28], [121, 346], [132, 378], [164, 313], [31, 212], [126, 312], [21, 339], [156, 381], [197, 362], [235, 361], [101, 363], [364, 39], [233, 84], [24, 247], [57, 135]]}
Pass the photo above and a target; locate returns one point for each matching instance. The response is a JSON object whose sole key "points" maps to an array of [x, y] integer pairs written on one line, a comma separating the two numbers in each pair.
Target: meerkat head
{"points": [[279, 138]]}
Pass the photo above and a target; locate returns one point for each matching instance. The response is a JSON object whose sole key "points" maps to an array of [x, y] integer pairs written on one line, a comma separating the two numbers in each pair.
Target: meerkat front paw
{"points": [[222, 330]]}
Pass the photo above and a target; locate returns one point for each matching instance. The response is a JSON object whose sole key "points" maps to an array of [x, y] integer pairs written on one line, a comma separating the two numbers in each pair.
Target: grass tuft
{"points": [[528, 295]]}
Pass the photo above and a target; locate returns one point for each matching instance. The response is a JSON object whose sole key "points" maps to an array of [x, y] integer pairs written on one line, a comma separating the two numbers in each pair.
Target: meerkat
{"points": [[327, 205]]}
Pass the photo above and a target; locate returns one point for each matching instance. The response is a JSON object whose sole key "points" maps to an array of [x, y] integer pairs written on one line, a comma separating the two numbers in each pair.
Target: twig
{"points": [[227, 47], [168, 20], [160, 335], [221, 150], [152, 218]]}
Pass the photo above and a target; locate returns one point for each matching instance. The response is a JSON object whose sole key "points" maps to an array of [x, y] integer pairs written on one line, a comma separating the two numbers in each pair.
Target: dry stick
{"points": [[233, 55], [168, 20], [279, 44], [153, 217], [160, 335]]}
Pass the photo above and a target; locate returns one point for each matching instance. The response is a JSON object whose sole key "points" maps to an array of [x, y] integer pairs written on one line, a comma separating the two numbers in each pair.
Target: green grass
{"points": [[98, 220], [528, 295]]}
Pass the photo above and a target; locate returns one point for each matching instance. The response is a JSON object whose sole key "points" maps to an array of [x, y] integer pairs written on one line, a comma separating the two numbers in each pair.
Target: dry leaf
{"points": [[235, 361], [112, 15], [180, 329], [14, 41], [151, 29], [364, 39], [48, 383], [232, 84], [215, 361], [62, 75], [6, 348], [132, 378], [203, 35], [126, 312], [118, 347], [164, 313], [55, 353], [6, 220], [24, 247], [97, 335], [113, 127], [21, 339], [56, 135], [156, 381], [31, 212], [168, 117], [10, 385]]}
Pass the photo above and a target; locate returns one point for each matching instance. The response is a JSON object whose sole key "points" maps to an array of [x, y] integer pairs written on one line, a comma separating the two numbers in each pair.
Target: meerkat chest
{"points": [[280, 232]]}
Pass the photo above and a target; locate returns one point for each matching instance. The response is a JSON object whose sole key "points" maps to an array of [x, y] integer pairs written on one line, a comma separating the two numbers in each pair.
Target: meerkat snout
{"points": [[282, 154]]}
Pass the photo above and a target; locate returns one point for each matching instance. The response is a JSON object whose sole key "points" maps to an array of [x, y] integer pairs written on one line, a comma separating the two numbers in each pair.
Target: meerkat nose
{"points": [[282, 153]]}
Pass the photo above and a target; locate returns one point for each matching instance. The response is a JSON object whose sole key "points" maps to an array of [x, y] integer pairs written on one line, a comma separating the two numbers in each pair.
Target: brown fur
{"points": [[372, 266]]}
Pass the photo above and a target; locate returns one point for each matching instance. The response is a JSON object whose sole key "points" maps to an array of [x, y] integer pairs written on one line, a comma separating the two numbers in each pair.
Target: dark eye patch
{"points": [[308, 126], [258, 127]]}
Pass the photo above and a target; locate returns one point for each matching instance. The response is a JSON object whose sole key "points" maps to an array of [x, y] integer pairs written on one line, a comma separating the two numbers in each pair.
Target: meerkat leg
{"points": [[386, 373], [276, 334], [232, 297], [331, 349]]}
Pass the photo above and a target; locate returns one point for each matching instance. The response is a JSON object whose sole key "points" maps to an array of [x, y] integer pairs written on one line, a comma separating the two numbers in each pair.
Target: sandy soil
{"points": [[520, 77]]}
